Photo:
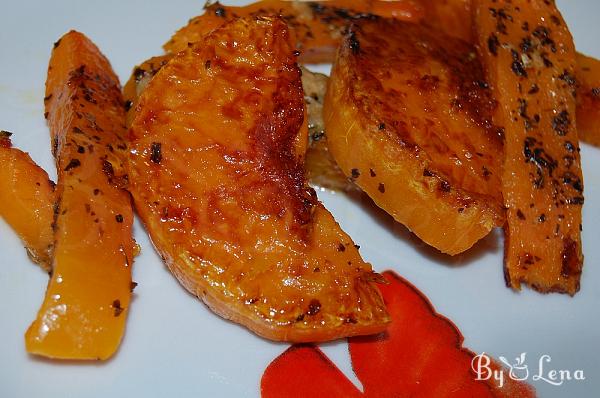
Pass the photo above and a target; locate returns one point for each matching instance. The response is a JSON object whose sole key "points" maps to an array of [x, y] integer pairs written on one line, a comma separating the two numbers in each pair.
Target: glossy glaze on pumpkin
{"points": [[216, 171], [27, 197], [87, 300], [408, 117], [530, 61], [317, 26]]}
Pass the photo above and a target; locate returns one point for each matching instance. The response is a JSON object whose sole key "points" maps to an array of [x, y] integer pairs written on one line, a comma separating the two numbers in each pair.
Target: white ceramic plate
{"points": [[174, 346]]}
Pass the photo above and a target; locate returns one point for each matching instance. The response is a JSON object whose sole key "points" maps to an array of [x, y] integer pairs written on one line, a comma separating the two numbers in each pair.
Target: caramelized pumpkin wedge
{"points": [[216, 172], [27, 197], [587, 75], [317, 26], [409, 119], [87, 300], [529, 56]]}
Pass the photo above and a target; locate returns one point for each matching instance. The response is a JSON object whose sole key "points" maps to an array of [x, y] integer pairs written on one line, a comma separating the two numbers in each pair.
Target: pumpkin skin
{"points": [[216, 172]]}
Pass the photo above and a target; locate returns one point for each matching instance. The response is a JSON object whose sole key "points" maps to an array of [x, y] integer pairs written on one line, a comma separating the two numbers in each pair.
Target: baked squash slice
{"points": [[408, 117], [530, 60], [87, 299], [27, 197], [216, 172]]}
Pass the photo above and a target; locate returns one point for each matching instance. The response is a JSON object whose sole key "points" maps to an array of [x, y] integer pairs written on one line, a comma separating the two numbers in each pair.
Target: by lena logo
{"points": [[519, 370]]}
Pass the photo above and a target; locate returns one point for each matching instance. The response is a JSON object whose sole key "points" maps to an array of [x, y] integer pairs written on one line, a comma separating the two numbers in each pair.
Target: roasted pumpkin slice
{"points": [[83, 314], [407, 116], [27, 197], [529, 56], [216, 172], [587, 75], [317, 26]]}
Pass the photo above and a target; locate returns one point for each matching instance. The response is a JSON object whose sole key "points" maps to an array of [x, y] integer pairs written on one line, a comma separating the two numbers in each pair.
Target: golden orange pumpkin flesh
{"points": [[216, 171], [87, 300]]}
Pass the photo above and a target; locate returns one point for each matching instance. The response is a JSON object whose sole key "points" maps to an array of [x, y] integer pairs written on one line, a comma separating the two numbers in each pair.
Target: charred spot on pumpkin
{"points": [[116, 304], [353, 43], [534, 153], [493, 44], [568, 78], [132, 286], [444, 186], [572, 180], [313, 307], [534, 89], [571, 264], [127, 105], [517, 65], [138, 74], [520, 214], [156, 152], [56, 43], [220, 12], [381, 187], [542, 33], [561, 123], [569, 146], [74, 163], [577, 200], [372, 173], [119, 218], [355, 173], [341, 247], [527, 259]]}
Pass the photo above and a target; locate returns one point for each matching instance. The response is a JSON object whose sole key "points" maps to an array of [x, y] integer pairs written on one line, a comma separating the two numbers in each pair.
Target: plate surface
{"points": [[174, 346]]}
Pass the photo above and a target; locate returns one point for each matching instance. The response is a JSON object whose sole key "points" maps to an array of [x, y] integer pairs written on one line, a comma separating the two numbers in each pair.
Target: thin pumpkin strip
{"points": [[87, 300], [420, 355], [27, 197], [530, 61]]}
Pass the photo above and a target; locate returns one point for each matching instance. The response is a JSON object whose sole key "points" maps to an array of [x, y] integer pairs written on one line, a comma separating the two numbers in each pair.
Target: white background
{"points": [[174, 346]]}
